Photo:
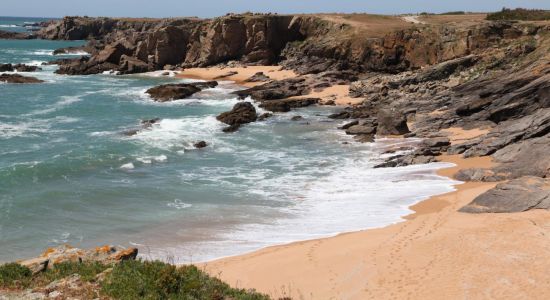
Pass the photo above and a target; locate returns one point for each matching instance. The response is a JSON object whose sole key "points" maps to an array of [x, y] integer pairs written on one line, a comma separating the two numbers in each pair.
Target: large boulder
{"points": [[242, 113], [391, 123], [170, 92], [16, 78], [518, 195]]}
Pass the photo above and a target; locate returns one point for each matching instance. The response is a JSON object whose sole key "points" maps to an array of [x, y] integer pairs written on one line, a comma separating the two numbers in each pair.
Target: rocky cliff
{"points": [[307, 44]]}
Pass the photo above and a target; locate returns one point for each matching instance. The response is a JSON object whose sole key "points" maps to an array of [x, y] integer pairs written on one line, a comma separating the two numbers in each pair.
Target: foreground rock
{"points": [[53, 256], [522, 194], [242, 113], [170, 92], [16, 78]]}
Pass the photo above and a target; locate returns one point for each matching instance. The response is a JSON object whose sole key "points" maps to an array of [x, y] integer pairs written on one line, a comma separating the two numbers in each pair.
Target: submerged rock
{"points": [[169, 92], [16, 78], [201, 144]]}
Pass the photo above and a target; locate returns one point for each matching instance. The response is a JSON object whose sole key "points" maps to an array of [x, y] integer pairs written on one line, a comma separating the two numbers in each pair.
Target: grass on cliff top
{"points": [[520, 14], [131, 280]]}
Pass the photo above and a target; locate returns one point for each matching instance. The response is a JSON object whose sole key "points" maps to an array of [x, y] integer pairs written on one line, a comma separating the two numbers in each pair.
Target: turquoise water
{"points": [[69, 175]]}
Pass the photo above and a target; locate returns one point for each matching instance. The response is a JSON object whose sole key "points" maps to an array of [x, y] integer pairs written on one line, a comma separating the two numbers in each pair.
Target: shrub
{"points": [[157, 280], [87, 271], [14, 275], [520, 14], [460, 12]]}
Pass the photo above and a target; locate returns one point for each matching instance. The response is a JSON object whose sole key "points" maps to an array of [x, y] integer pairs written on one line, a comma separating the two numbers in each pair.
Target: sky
{"points": [[212, 8]]}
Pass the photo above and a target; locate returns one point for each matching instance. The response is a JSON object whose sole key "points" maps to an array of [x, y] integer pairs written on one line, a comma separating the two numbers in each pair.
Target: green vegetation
{"points": [[520, 14], [14, 275], [131, 280], [157, 280]]}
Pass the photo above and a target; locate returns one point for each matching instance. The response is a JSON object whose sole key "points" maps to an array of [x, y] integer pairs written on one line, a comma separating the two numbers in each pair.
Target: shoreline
{"points": [[369, 263]]}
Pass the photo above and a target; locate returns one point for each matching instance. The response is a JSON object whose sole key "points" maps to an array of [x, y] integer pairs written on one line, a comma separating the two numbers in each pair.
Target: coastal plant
{"points": [[14, 275], [158, 280], [520, 14]]}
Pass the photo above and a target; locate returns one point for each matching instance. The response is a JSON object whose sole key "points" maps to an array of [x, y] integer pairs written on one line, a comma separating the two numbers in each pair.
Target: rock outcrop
{"points": [[242, 113], [176, 91], [518, 195], [57, 255]]}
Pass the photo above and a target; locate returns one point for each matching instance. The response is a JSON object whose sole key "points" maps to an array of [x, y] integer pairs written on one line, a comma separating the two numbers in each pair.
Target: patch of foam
{"points": [[177, 133], [178, 204], [128, 166], [151, 159], [43, 52], [64, 102], [32, 127], [8, 26]]}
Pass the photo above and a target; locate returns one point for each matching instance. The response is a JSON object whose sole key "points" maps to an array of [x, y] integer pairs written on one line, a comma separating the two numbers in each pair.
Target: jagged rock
{"points": [[264, 116], [53, 256], [26, 68], [477, 174], [83, 50], [242, 113], [6, 68], [361, 130], [277, 89], [169, 92], [16, 78], [391, 123], [285, 105], [258, 77], [528, 157], [512, 131], [522, 194], [201, 144], [130, 65], [350, 124]]}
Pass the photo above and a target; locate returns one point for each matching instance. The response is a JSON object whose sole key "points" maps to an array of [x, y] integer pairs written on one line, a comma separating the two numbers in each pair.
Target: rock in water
{"points": [[391, 123], [16, 78], [242, 113], [169, 92], [518, 195], [6, 68], [201, 144]]}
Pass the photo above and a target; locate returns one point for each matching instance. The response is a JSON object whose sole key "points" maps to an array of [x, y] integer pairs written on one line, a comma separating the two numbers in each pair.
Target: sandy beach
{"points": [[436, 252], [337, 93]]}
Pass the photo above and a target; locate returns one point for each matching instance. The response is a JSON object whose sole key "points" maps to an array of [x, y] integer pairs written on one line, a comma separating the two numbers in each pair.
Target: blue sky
{"points": [[210, 8]]}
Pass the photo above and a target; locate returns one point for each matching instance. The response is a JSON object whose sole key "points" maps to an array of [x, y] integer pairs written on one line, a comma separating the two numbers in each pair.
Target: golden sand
{"points": [[437, 253]]}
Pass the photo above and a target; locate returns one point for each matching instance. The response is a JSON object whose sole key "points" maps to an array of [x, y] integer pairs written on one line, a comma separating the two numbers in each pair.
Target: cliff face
{"points": [[138, 46], [307, 44]]}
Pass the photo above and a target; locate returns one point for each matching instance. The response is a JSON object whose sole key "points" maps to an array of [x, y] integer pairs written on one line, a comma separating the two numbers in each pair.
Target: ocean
{"points": [[68, 174]]}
